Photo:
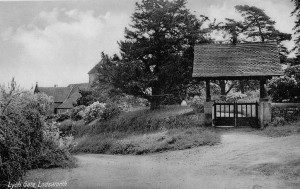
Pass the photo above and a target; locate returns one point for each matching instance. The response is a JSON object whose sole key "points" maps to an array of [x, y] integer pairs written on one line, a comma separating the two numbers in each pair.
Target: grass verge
{"points": [[281, 131], [173, 139]]}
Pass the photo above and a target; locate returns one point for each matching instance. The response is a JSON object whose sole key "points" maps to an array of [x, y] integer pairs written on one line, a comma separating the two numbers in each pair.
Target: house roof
{"points": [[241, 60], [95, 68], [69, 102], [81, 86], [59, 94]]}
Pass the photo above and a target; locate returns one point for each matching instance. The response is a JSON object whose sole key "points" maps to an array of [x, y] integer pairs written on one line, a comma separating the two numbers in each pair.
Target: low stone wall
{"points": [[289, 111]]}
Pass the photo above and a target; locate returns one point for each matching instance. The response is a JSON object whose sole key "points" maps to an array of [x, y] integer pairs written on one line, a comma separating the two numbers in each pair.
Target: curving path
{"points": [[243, 160]]}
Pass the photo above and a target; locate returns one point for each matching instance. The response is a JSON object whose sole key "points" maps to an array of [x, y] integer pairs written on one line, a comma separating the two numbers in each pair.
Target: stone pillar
{"points": [[262, 90], [264, 109], [208, 106], [264, 113]]}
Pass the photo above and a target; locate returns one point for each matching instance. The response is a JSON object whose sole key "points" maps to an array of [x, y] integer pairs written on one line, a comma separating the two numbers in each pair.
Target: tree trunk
{"points": [[154, 103], [155, 99]]}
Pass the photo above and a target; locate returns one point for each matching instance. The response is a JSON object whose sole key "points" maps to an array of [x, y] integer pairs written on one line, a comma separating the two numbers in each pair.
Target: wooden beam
{"points": [[232, 78], [208, 96]]}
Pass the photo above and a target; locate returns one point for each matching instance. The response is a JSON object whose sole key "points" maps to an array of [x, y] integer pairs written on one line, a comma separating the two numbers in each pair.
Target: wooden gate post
{"points": [[208, 106], [235, 113]]}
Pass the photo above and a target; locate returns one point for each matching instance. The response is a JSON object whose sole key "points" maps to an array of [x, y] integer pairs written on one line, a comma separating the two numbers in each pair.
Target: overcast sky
{"points": [[58, 42]]}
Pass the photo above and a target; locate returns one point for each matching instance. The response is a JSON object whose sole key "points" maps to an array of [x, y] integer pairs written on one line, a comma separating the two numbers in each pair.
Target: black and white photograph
{"points": [[150, 94]]}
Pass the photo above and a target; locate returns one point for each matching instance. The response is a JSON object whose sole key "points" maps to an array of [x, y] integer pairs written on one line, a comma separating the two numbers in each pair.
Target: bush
{"points": [[80, 129], [93, 111], [62, 116], [111, 110], [283, 89], [278, 121], [21, 125], [55, 150], [22, 141], [281, 130], [77, 113], [198, 106], [65, 127], [294, 72], [53, 157]]}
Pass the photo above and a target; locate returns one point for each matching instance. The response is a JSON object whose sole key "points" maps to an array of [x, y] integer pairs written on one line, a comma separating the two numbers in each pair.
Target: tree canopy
{"points": [[157, 53], [259, 25]]}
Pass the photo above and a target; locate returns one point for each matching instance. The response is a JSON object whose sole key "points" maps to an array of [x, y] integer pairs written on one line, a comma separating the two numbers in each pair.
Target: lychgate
{"points": [[245, 61]]}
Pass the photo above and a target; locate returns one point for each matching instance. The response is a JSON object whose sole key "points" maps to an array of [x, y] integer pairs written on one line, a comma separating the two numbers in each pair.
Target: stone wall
{"points": [[289, 111]]}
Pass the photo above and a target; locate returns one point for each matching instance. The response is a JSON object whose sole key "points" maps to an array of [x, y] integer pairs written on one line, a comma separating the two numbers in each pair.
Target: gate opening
{"points": [[236, 114]]}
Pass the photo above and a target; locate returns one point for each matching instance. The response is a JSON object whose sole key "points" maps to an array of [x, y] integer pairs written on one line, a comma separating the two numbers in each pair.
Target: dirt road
{"points": [[243, 160]]}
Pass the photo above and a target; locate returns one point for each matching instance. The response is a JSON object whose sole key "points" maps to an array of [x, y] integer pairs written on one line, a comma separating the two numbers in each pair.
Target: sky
{"points": [[58, 42]]}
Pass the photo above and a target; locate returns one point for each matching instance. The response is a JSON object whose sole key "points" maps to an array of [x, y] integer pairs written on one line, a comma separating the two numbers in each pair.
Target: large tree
{"points": [[157, 53], [296, 12], [260, 27]]}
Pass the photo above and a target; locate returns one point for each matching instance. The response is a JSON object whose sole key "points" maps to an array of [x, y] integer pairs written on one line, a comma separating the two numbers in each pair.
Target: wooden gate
{"points": [[236, 114]]}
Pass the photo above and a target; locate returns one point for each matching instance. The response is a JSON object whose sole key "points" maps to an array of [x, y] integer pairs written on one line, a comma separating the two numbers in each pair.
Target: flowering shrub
{"points": [[77, 113], [24, 141], [55, 152], [52, 134], [110, 111], [93, 111]]}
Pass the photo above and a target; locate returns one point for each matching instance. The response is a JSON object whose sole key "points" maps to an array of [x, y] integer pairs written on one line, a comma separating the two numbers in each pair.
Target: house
{"points": [[93, 72], [65, 97]]}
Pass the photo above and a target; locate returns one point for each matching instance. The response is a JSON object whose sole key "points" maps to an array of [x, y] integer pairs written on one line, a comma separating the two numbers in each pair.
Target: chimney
{"points": [[36, 89]]}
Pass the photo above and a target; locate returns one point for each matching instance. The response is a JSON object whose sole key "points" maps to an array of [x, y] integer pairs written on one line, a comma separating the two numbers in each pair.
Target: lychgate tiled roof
{"points": [[245, 59]]}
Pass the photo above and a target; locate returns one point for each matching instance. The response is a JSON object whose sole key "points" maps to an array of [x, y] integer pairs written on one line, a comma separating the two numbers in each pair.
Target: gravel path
{"points": [[243, 160]]}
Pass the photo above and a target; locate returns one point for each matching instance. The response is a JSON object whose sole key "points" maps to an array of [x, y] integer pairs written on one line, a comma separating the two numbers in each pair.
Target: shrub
{"points": [[65, 127], [293, 71], [198, 106], [278, 121], [111, 110], [77, 113], [22, 126], [80, 129], [62, 116], [284, 130], [55, 157], [93, 111], [55, 149], [283, 89]]}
